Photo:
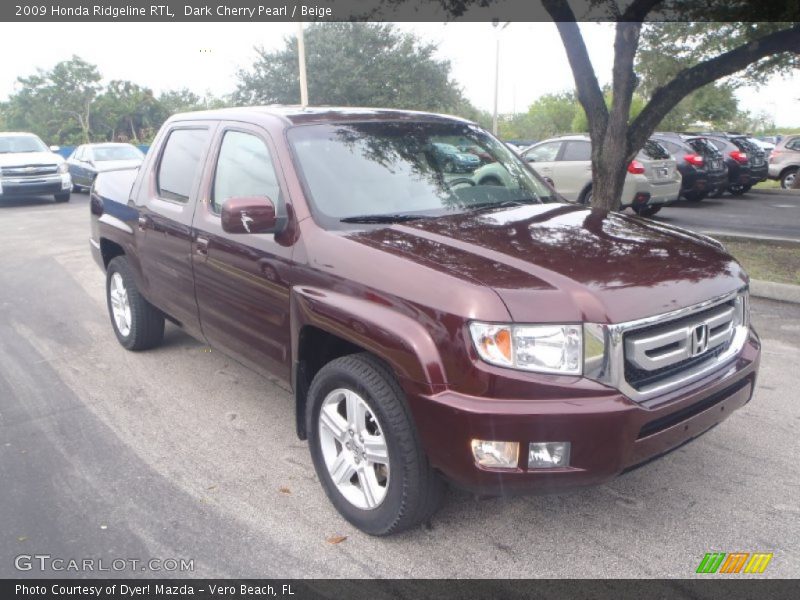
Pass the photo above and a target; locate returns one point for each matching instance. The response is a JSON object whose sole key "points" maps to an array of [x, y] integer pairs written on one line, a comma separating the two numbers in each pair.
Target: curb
{"points": [[774, 192], [736, 235], [782, 292]]}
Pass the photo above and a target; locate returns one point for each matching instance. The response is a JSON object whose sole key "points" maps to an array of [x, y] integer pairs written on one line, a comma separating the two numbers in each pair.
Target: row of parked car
{"points": [[670, 166], [28, 167]]}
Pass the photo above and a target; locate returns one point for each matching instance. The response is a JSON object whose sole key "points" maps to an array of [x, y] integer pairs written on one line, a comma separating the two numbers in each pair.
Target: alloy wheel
{"points": [[120, 305], [354, 448]]}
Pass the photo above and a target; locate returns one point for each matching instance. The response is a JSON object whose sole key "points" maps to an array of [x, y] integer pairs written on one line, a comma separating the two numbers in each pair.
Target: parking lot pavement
{"points": [[752, 214], [182, 453]]}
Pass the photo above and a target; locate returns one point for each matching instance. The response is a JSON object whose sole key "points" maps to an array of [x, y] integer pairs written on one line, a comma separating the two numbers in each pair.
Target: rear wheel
{"points": [[646, 211], [365, 447], [716, 192], [586, 197], [694, 196], [137, 324], [62, 197], [736, 189], [787, 179]]}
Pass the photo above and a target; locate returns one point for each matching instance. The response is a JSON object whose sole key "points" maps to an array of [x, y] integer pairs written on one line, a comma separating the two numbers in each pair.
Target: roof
{"points": [[296, 115], [15, 133]]}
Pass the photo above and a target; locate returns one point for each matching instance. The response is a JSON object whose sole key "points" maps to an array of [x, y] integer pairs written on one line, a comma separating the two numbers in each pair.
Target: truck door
{"points": [[165, 219], [240, 279]]}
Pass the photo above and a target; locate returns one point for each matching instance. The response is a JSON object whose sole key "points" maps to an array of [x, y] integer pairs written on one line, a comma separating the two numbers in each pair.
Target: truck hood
{"points": [[562, 262], [14, 159]]}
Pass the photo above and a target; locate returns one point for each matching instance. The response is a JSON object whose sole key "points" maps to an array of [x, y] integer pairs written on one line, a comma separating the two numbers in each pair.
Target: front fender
{"points": [[400, 340]]}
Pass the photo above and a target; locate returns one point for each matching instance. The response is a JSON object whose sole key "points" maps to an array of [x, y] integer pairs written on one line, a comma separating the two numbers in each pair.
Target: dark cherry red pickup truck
{"points": [[431, 327]]}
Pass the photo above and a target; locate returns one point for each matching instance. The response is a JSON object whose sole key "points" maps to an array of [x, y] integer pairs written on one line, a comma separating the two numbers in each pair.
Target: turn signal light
{"points": [[636, 168], [694, 159], [739, 156]]}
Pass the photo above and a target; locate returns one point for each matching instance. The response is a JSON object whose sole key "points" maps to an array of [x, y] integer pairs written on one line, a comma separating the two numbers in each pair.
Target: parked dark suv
{"points": [[430, 327], [700, 163], [747, 163]]}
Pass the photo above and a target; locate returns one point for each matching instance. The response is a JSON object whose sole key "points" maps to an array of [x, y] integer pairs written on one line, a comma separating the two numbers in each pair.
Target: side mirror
{"points": [[55, 148], [549, 182], [250, 214]]}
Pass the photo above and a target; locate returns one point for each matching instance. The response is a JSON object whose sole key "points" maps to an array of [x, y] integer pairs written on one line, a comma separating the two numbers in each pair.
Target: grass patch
{"points": [[769, 184], [767, 260]]}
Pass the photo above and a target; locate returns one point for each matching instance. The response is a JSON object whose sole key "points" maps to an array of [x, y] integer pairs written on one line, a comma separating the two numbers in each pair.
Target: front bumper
{"points": [[35, 186], [609, 432]]}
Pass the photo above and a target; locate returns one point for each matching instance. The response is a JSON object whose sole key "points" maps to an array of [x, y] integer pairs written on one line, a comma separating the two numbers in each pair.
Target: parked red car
{"points": [[431, 329]]}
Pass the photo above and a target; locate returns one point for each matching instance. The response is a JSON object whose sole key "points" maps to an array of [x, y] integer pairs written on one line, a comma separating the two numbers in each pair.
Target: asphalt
{"points": [[182, 453], [775, 214]]}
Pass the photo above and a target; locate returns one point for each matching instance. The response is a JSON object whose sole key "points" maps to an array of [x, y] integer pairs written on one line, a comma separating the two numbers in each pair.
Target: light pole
{"points": [[301, 53], [497, 73]]}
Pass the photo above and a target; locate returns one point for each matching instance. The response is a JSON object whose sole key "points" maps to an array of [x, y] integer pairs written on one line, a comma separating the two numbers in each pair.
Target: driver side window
{"points": [[244, 168], [543, 153]]}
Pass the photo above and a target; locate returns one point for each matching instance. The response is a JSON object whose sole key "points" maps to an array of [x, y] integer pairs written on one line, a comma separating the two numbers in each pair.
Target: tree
{"points": [[354, 64], [738, 47], [58, 101]]}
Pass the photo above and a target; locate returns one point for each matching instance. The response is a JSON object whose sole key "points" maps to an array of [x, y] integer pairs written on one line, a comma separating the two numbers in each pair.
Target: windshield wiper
{"points": [[503, 204], [382, 218]]}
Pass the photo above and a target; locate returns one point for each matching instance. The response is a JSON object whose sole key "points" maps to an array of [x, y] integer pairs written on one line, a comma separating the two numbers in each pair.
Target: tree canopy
{"points": [[355, 64]]}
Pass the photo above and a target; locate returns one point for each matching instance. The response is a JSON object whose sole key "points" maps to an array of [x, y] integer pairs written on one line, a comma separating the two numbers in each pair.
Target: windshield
{"points": [[21, 143], [392, 171], [104, 153]]}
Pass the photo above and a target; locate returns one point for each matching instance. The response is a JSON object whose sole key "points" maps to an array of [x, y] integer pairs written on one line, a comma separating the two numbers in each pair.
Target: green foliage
{"points": [[68, 106], [355, 64], [581, 124], [668, 48]]}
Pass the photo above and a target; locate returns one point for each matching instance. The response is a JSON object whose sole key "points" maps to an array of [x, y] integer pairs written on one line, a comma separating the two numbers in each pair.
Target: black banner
{"points": [[733, 588], [392, 10]]}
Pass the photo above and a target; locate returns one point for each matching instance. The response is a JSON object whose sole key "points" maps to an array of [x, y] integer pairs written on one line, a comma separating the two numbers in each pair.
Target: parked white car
{"points": [[653, 178], [29, 168]]}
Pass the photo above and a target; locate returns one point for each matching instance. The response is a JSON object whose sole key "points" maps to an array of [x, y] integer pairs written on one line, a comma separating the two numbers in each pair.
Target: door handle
{"points": [[201, 246]]}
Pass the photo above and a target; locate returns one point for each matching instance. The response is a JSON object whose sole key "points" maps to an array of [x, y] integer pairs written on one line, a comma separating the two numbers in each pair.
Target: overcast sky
{"points": [[205, 56]]}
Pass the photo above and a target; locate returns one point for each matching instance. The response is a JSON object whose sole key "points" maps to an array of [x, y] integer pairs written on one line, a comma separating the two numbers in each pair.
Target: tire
{"points": [[145, 323], [646, 211], [76, 188], [404, 490], [736, 189], [787, 178], [716, 192], [62, 197], [694, 196], [586, 196], [746, 188]]}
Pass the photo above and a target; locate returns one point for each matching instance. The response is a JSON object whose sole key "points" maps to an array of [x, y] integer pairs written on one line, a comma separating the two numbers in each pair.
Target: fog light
{"points": [[497, 455], [548, 455]]}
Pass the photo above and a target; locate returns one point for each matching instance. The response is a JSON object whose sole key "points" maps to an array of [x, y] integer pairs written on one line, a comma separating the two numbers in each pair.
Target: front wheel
{"points": [[137, 324], [63, 197], [365, 447]]}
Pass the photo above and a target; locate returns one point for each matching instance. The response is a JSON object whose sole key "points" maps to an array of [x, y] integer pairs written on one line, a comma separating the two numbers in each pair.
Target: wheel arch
{"points": [[327, 325]]}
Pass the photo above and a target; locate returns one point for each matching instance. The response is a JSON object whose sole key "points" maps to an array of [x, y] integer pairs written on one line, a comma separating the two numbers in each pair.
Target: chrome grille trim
{"points": [[23, 171], [608, 365]]}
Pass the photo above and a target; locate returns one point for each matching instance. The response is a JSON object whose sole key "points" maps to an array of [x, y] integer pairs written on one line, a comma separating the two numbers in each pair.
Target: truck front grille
{"points": [[663, 351], [29, 171]]}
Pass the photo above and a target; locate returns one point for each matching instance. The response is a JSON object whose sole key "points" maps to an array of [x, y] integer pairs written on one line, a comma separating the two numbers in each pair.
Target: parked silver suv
{"points": [[784, 161], [652, 180], [29, 168]]}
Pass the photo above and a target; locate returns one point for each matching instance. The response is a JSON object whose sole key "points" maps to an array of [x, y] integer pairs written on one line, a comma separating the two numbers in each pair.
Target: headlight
{"points": [[540, 348], [63, 168]]}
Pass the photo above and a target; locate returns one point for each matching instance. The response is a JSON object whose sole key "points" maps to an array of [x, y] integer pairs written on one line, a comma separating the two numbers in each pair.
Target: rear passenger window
{"points": [[180, 163], [244, 168], [577, 151], [655, 151]]}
